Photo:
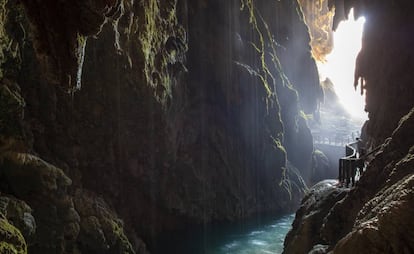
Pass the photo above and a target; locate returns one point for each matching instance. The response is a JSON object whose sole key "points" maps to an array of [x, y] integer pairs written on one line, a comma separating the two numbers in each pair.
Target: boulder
{"points": [[315, 206]]}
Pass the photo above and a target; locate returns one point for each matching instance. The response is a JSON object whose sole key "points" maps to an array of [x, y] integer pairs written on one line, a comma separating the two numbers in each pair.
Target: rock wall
{"points": [[123, 119], [316, 205], [372, 217], [319, 18], [388, 88]]}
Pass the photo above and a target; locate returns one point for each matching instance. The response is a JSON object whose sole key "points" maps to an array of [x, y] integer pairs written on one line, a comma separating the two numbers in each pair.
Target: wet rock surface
{"points": [[315, 206], [19, 214], [101, 231], [181, 118], [11, 239]]}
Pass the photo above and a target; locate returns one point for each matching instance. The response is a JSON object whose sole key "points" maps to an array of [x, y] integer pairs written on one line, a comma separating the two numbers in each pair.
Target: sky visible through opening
{"points": [[340, 65]]}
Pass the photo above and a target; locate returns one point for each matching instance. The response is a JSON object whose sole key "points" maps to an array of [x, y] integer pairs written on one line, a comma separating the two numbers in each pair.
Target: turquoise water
{"points": [[264, 239], [257, 236]]}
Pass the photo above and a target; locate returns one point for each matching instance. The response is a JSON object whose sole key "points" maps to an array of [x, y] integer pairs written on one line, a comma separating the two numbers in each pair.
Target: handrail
{"points": [[371, 152], [349, 163], [331, 138], [350, 146]]}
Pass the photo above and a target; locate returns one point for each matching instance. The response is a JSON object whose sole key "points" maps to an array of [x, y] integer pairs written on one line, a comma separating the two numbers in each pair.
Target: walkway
{"points": [[334, 139], [353, 162], [349, 164]]}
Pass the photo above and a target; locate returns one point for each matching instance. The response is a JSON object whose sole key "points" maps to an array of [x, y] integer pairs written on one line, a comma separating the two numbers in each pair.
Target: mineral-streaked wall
{"points": [[188, 112]]}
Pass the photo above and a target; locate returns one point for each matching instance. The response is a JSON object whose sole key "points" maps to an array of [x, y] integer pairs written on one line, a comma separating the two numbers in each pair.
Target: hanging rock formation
{"points": [[189, 112], [374, 216]]}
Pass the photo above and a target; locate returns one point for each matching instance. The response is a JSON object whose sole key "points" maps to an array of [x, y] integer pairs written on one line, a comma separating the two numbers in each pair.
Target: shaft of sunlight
{"points": [[340, 65]]}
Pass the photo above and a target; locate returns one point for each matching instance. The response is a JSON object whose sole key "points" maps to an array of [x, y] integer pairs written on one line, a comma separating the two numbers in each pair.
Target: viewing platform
{"points": [[354, 162]]}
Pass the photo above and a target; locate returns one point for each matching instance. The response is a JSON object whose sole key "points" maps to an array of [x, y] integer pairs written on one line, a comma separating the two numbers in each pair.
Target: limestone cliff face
{"points": [[373, 216], [189, 112]]}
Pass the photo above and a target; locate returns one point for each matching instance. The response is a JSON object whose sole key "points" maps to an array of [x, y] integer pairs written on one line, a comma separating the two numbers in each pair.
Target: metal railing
{"points": [[331, 140], [349, 164], [354, 160]]}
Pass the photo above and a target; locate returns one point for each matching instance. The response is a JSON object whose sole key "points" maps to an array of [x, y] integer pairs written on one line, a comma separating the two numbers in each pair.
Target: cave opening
{"points": [[339, 65], [341, 114]]}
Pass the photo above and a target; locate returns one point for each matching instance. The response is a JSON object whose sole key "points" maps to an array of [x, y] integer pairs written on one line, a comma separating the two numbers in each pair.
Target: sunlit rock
{"points": [[319, 18]]}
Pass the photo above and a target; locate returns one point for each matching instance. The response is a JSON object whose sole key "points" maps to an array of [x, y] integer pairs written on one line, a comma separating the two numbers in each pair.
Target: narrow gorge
{"points": [[125, 121]]}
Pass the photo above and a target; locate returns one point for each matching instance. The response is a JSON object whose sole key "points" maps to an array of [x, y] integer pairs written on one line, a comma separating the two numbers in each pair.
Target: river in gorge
{"points": [[254, 236]]}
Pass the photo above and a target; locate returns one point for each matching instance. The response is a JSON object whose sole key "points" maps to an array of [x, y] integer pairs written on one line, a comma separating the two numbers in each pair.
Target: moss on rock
{"points": [[19, 214], [11, 239], [100, 229], [46, 192], [44, 177], [162, 43]]}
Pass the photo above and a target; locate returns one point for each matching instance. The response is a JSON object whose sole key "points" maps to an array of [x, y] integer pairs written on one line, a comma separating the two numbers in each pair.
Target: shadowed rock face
{"points": [[388, 86], [59, 31], [189, 112], [373, 216]]}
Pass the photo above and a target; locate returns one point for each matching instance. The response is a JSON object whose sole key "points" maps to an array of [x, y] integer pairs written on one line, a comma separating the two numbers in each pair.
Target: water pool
{"points": [[255, 236]]}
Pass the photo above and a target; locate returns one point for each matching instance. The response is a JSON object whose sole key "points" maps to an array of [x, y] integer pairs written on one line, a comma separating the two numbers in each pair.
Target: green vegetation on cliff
{"points": [[162, 40], [11, 240]]}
